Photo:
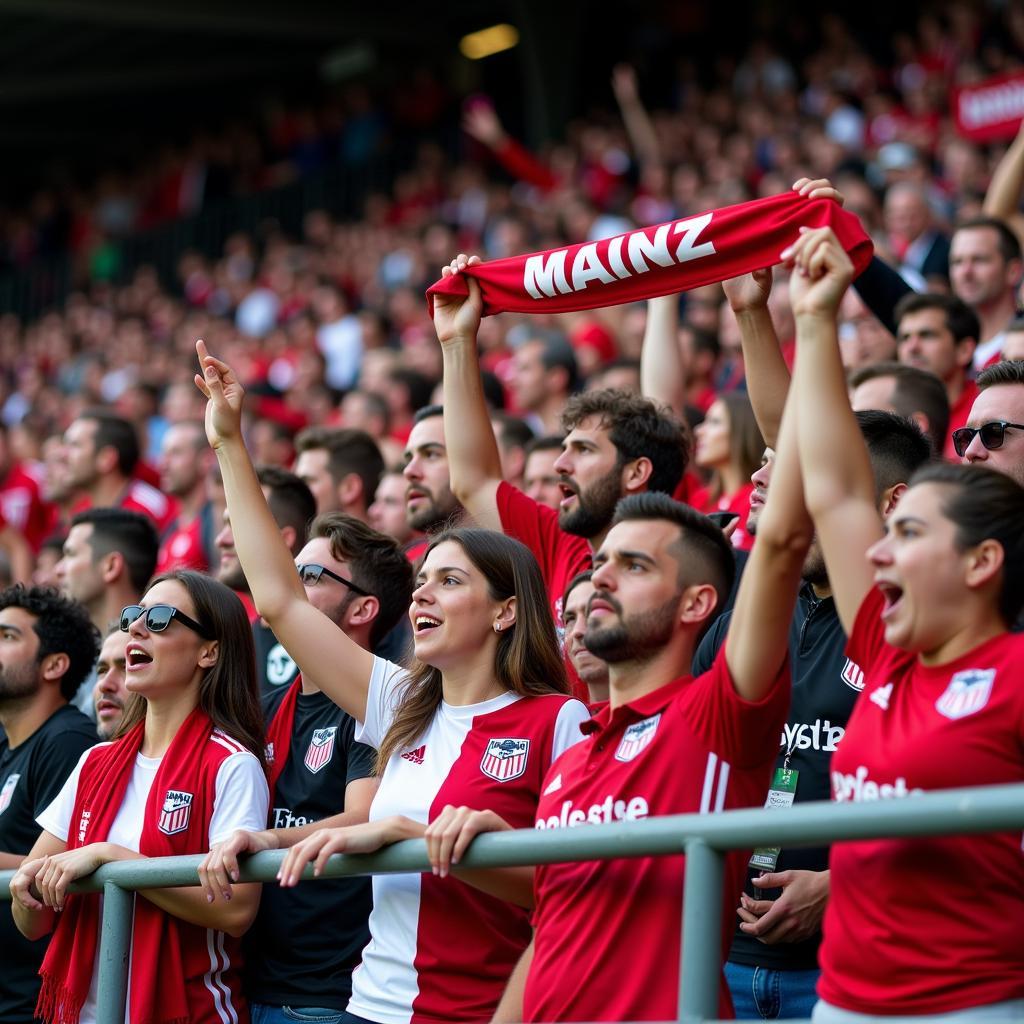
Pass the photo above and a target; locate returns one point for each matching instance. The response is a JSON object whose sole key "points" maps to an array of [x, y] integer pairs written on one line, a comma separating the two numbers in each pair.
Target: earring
{"points": [[497, 627]]}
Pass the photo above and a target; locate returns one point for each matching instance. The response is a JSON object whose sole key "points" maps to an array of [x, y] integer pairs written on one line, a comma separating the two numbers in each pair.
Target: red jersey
{"points": [[143, 498], [182, 546], [926, 926], [691, 746], [959, 413], [23, 506]]}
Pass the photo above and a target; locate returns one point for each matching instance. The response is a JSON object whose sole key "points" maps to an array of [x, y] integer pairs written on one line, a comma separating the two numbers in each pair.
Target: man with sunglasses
{"points": [[301, 950], [994, 433]]}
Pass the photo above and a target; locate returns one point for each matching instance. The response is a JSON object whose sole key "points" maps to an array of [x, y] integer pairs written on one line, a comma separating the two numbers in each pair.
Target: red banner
{"points": [[991, 110], [659, 260]]}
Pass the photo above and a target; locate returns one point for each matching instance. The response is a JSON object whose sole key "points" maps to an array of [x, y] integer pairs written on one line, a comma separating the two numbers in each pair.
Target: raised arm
{"points": [[474, 463], [758, 637], [1004, 191], [839, 485], [325, 655], [766, 370], [634, 115], [662, 370]]}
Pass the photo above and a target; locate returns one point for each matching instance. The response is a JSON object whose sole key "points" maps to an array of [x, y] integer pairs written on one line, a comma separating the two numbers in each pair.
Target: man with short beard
{"points": [[591, 670], [47, 648], [772, 969], [430, 504], [185, 460], [110, 694], [616, 445]]}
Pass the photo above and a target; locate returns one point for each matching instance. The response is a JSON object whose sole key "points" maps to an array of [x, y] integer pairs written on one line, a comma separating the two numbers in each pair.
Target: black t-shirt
{"points": [[825, 688], [31, 775], [306, 940], [274, 665]]}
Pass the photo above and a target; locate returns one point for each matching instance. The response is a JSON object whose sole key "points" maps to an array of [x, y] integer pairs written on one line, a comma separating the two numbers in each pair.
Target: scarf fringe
{"points": [[57, 1003]]}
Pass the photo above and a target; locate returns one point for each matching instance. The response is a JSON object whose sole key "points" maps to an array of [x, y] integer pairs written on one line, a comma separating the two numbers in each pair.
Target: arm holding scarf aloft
{"points": [[474, 463], [659, 260], [1002, 199]]}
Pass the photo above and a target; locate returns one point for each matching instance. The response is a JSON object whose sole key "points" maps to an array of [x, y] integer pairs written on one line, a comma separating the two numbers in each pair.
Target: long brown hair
{"points": [[527, 660], [228, 691], [746, 445]]}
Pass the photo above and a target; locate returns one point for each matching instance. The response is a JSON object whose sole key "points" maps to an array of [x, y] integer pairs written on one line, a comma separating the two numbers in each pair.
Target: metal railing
{"points": [[703, 838]]}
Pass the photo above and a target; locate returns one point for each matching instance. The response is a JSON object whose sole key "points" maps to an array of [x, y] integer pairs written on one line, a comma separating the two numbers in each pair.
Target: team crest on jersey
{"points": [[967, 693], [637, 738], [8, 791], [268, 753], [176, 810], [321, 746], [505, 760], [853, 675]]}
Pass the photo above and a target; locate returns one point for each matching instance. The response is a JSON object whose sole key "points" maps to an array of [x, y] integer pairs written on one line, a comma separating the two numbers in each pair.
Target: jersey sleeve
{"points": [[56, 818], [386, 680], [572, 714], [867, 638], [742, 732], [536, 526], [242, 797], [362, 761]]}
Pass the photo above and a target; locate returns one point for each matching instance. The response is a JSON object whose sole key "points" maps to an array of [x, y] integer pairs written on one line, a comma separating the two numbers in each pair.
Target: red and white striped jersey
{"points": [[439, 949], [692, 746]]}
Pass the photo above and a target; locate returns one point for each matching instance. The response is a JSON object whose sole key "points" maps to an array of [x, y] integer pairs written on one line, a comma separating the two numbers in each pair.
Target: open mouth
{"points": [[425, 623], [892, 595], [135, 657], [568, 492]]}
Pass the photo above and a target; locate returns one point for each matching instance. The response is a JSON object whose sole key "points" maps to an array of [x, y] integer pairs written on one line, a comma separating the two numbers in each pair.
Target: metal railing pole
{"points": [[700, 958], [115, 946]]}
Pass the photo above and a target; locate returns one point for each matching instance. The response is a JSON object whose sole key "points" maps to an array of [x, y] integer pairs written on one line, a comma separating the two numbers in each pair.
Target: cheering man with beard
{"points": [[617, 444], [430, 504]]}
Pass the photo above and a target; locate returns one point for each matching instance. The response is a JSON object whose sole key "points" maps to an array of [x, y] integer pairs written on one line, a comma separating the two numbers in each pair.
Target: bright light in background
{"points": [[488, 41]]}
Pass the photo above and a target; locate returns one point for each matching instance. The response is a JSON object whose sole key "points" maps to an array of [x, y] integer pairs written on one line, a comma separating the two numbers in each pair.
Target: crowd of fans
{"points": [[514, 535]]}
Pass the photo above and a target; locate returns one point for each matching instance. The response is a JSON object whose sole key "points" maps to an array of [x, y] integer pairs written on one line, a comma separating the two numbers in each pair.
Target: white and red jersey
{"points": [[439, 949], [927, 926], [144, 498], [22, 505], [692, 746]]}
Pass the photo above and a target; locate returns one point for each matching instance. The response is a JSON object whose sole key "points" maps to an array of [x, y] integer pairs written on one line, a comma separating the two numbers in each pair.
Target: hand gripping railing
{"points": [[703, 838]]}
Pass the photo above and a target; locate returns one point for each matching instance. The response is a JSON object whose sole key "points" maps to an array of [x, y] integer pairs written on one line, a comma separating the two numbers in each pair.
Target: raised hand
{"points": [[455, 316], [224, 397], [822, 272], [749, 291], [818, 188], [481, 123]]}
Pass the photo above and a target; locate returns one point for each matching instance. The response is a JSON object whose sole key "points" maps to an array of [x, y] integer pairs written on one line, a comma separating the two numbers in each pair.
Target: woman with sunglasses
{"points": [[183, 772], [914, 926], [475, 722]]}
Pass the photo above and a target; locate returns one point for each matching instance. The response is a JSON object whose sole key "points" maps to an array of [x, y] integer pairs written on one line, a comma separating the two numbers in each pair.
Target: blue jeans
{"points": [[763, 993], [263, 1013]]}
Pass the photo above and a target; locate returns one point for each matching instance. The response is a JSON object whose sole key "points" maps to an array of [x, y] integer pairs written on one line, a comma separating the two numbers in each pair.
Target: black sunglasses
{"points": [[992, 434], [310, 576], [158, 618]]}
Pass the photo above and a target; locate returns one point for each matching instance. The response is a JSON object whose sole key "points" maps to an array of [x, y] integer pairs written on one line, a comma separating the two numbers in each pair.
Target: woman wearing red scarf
{"points": [[184, 772]]}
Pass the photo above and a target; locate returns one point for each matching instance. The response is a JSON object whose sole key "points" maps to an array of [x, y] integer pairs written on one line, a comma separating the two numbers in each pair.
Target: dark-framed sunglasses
{"points": [[311, 572], [159, 617], [992, 434]]}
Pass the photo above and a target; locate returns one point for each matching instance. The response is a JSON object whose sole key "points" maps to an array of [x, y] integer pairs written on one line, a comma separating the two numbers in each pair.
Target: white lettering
{"points": [[691, 228], [607, 811], [818, 735], [539, 277], [641, 248], [859, 787], [587, 267], [615, 257], [283, 818]]}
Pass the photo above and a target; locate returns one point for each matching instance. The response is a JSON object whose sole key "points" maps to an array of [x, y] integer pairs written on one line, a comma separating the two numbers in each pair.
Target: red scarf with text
{"points": [[279, 734], [659, 260], [180, 803]]}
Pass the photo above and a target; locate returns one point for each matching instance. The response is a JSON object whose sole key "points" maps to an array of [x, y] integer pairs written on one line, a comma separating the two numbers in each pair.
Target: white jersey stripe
{"points": [[221, 983], [229, 739], [228, 746], [208, 979], [723, 785], [709, 779]]}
